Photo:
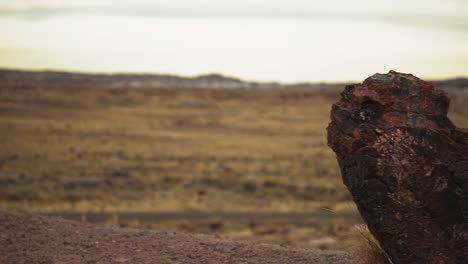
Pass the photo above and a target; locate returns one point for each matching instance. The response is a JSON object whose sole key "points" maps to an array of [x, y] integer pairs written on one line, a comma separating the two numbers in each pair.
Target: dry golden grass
{"points": [[368, 249], [165, 149]]}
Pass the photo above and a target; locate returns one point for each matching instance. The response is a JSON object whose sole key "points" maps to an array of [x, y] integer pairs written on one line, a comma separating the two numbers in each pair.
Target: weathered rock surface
{"points": [[406, 166]]}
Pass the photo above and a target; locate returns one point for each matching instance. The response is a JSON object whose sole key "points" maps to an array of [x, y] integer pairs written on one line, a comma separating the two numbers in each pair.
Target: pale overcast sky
{"points": [[294, 40], [361, 6]]}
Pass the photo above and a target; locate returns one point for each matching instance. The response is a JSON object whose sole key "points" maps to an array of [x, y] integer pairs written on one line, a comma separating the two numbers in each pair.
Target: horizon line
{"points": [[188, 76]]}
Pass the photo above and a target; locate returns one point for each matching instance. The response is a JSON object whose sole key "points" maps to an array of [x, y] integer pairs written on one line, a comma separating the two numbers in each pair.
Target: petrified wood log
{"points": [[406, 166]]}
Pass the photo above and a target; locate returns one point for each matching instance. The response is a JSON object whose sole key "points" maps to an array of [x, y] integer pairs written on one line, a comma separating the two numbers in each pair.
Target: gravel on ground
{"points": [[28, 238]]}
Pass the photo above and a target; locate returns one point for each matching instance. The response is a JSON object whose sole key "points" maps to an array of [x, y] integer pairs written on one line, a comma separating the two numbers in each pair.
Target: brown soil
{"points": [[26, 238]]}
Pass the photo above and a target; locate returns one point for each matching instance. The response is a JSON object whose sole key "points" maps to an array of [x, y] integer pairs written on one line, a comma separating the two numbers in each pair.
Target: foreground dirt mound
{"points": [[41, 239]]}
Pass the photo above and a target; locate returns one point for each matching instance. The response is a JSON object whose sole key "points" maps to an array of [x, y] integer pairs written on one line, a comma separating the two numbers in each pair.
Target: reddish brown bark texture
{"points": [[406, 166]]}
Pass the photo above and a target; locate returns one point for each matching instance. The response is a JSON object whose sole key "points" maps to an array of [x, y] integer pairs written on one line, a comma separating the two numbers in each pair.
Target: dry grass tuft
{"points": [[368, 250]]}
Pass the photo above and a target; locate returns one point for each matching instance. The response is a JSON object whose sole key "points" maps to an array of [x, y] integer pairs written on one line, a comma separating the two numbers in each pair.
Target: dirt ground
{"points": [[26, 238]]}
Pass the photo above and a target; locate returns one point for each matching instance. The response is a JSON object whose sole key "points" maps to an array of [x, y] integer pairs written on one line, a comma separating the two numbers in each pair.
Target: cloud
{"points": [[435, 7], [441, 14]]}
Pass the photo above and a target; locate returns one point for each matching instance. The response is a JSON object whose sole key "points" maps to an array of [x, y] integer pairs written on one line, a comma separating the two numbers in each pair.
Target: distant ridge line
{"points": [[146, 80], [19, 78]]}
